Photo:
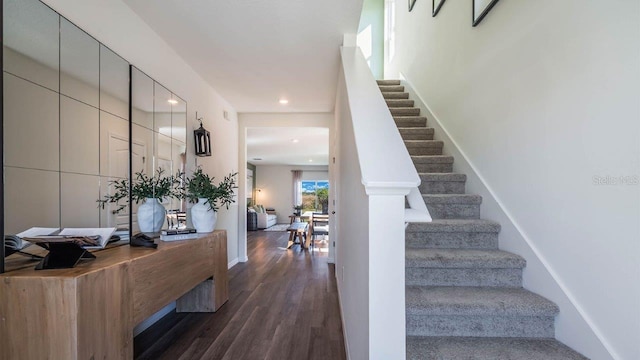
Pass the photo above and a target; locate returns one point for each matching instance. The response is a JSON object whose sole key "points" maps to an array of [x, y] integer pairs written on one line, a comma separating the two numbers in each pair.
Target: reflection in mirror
{"points": [[78, 194], [39, 206], [31, 126], [162, 110], [179, 120], [142, 99], [114, 83], [481, 8], [31, 42], [79, 64], [142, 159], [79, 137], [114, 165], [179, 163]]}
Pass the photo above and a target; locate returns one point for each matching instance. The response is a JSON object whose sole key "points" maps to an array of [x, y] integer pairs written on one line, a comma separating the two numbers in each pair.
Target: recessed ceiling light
{"points": [[257, 159], [294, 140], [310, 160], [172, 101], [283, 101]]}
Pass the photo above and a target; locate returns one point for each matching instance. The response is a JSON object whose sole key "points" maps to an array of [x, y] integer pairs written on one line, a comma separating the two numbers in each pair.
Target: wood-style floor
{"points": [[283, 304]]}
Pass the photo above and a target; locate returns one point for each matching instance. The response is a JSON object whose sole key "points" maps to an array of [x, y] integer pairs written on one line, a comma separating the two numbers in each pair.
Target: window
{"points": [[315, 195]]}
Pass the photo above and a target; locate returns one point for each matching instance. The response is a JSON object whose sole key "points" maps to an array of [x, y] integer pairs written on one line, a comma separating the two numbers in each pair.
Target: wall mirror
{"points": [[159, 123], [481, 8], [66, 123]]}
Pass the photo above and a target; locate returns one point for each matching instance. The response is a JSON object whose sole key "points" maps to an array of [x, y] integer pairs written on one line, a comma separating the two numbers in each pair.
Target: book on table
{"points": [[87, 238], [178, 234]]}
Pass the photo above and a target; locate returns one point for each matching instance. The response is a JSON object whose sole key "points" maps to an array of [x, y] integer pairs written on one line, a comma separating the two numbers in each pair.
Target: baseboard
{"points": [[232, 263], [571, 312], [344, 327], [243, 259]]}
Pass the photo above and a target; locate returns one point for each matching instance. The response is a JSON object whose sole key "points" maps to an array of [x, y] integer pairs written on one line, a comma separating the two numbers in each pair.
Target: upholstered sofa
{"points": [[266, 218]]}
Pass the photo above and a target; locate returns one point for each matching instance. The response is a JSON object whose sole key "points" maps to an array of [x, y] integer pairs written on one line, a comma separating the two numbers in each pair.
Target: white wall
{"points": [[275, 183], [542, 99], [117, 26]]}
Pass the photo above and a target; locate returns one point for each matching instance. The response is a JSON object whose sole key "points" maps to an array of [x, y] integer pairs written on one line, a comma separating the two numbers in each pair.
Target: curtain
{"points": [[297, 187]]}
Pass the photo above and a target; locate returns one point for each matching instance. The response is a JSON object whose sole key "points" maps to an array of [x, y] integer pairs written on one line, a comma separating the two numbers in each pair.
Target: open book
{"points": [[17, 242], [88, 238]]}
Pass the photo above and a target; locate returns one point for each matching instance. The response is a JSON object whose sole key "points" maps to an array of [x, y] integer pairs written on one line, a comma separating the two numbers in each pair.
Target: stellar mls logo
{"points": [[609, 180]]}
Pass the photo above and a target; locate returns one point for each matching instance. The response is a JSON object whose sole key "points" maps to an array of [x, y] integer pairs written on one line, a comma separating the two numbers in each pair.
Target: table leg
{"points": [[291, 239]]}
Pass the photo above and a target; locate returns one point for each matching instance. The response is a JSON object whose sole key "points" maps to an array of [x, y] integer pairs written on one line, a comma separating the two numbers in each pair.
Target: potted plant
{"points": [[151, 213], [297, 210], [208, 196]]}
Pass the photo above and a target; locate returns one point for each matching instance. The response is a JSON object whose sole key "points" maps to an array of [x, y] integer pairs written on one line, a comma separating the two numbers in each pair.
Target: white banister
{"points": [[370, 220]]}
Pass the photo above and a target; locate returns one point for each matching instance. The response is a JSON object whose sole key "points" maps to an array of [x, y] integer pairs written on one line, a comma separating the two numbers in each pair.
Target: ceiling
{"points": [[254, 52], [276, 146]]}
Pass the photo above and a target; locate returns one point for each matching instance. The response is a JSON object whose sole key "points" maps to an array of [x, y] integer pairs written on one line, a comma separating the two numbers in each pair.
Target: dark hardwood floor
{"points": [[283, 304]]}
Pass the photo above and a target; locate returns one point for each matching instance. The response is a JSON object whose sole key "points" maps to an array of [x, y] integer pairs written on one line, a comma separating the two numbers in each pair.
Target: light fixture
{"points": [[257, 159], [203, 140], [295, 140], [172, 101], [310, 160], [283, 101]]}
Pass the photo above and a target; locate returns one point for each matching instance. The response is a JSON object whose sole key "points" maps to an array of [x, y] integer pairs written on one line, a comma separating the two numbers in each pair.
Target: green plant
{"points": [[200, 185], [143, 187]]}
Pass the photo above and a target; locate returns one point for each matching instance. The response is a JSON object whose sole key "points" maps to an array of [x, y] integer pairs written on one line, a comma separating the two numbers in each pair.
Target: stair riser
{"points": [[388, 82], [403, 103], [425, 150], [411, 123], [392, 88], [434, 168], [395, 95], [404, 111], [481, 326], [464, 277], [417, 136], [442, 187], [454, 211], [452, 240]]}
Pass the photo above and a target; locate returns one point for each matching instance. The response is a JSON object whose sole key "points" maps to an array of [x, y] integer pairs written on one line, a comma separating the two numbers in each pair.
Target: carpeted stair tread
{"points": [[396, 103], [476, 301], [391, 88], [423, 143], [432, 159], [404, 111], [462, 258], [416, 133], [479, 348], [466, 199], [388, 82], [410, 121], [395, 95], [455, 225], [442, 176]]}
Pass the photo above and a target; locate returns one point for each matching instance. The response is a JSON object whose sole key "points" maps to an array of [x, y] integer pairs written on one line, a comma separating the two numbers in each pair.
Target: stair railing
{"points": [[375, 177]]}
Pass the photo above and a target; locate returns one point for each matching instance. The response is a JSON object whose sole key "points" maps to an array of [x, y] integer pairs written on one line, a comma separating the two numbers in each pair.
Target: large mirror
{"points": [[159, 121], [66, 124], [65, 115]]}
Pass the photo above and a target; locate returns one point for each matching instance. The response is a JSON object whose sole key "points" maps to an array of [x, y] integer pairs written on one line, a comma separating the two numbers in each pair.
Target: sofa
{"points": [[266, 217]]}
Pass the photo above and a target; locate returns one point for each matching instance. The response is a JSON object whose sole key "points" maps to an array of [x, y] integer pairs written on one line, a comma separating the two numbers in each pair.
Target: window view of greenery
{"points": [[315, 195]]}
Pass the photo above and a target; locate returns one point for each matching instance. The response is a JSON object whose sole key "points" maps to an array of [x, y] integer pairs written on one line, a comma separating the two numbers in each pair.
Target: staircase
{"points": [[464, 296]]}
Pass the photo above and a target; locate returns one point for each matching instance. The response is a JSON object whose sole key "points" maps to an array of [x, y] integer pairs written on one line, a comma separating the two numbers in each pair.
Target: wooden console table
{"points": [[89, 312]]}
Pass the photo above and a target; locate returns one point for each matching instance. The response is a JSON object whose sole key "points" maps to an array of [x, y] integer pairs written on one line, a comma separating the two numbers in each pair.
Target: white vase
{"points": [[151, 215], [203, 218]]}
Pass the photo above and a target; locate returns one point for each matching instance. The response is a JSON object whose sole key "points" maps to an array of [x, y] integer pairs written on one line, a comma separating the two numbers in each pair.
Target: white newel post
{"points": [[387, 328]]}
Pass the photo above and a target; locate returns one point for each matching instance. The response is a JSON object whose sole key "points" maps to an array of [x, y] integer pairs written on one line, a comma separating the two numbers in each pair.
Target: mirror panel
{"points": [[79, 137], [179, 164], [142, 99], [162, 110], [31, 42], [78, 194], [114, 83], [114, 146], [39, 206], [30, 125], [179, 120], [79, 64]]}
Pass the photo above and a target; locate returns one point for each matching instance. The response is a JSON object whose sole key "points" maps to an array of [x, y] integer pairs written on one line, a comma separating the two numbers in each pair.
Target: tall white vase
{"points": [[203, 218], [151, 215]]}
